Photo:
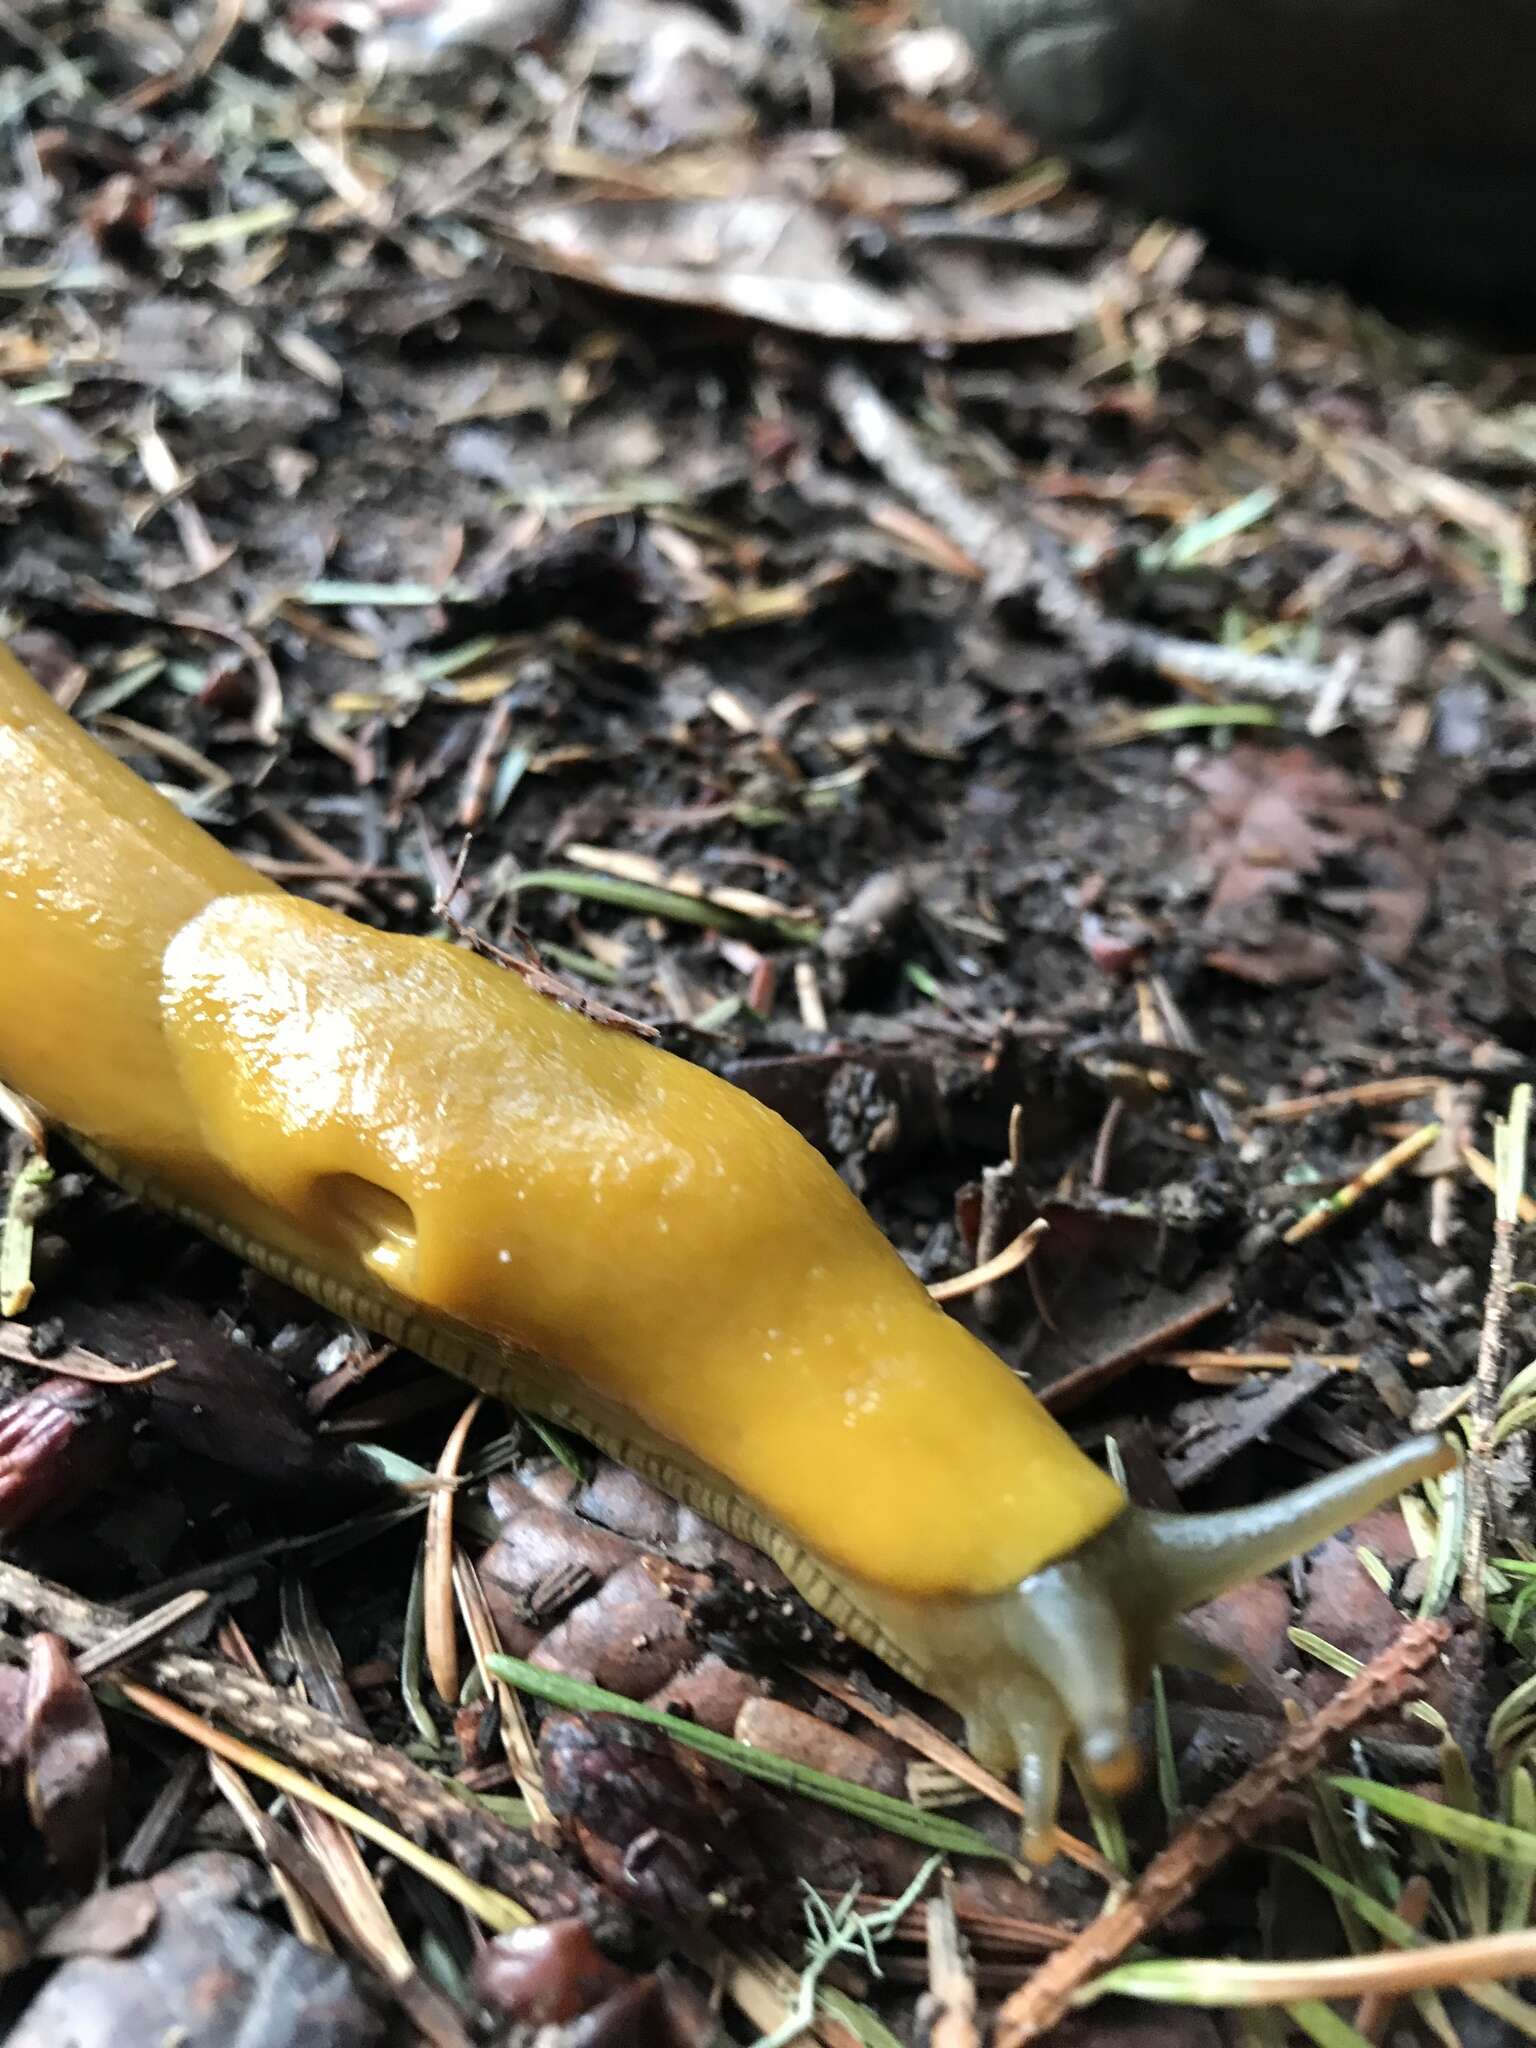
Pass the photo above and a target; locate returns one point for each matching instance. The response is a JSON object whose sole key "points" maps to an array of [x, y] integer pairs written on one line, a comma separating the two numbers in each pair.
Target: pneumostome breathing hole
{"points": [[378, 1225]]}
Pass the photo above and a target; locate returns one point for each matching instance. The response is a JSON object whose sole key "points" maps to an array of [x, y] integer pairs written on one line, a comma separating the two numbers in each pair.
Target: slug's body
{"points": [[563, 1214]]}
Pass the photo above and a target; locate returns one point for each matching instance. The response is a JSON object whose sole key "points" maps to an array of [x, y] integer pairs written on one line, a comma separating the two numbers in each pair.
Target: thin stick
{"points": [[1364, 1095], [1257, 1361], [320, 1743], [999, 1187], [1179, 1033], [437, 1584], [1377, 2007], [307, 1923], [1018, 556], [522, 1751], [1510, 1140], [1379, 1170], [1231, 1819], [199, 60], [951, 1986], [1008, 1260], [494, 1908], [139, 1636]]}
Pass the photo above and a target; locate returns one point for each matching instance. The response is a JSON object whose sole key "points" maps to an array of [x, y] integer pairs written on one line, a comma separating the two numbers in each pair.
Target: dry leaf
{"points": [[788, 263], [1281, 829], [69, 1764]]}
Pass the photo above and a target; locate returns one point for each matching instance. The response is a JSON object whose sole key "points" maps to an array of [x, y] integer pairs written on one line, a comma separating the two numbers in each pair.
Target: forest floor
{"points": [[698, 502]]}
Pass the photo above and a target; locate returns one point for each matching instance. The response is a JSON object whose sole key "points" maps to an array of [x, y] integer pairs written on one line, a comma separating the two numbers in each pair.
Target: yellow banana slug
{"points": [[565, 1215]]}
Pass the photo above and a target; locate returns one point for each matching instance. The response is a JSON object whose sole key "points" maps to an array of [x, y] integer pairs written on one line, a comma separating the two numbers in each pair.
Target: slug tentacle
{"points": [[1040, 1738], [1184, 1560]]}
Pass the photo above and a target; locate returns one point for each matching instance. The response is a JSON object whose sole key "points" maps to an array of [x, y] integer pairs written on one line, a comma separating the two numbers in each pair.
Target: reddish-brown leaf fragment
{"points": [[638, 2016], [68, 1760], [802, 1738], [1281, 828]]}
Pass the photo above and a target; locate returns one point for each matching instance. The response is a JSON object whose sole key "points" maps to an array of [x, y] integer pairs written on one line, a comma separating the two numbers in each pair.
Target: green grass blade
{"points": [[1213, 1982], [1520, 1811], [933, 1830], [1450, 1537], [1494, 1838], [646, 900], [1473, 1889], [1357, 1906], [1512, 1724], [1320, 2023]]}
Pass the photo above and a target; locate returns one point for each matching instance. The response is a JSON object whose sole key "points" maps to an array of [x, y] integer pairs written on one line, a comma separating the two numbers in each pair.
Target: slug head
{"points": [[1053, 1667]]}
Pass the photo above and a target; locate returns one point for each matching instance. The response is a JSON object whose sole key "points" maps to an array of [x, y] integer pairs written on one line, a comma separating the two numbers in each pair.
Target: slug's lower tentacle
{"points": [[1040, 1739]]}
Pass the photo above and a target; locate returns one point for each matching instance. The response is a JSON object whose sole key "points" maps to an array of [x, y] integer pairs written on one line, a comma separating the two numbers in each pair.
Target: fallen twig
{"points": [[951, 1984], [1482, 1169], [1323, 1213], [1364, 1095], [1018, 557], [1376, 2008], [1230, 1820], [1509, 1150], [496, 1909], [198, 61], [1256, 1361], [438, 1613]]}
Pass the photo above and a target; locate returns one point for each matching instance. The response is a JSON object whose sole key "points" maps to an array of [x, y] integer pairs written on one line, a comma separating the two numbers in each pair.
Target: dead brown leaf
{"points": [[1285, 830], [69, 1763], [786, 262]]}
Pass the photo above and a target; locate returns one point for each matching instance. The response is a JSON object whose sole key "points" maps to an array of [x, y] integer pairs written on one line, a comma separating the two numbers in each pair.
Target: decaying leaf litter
{"points": [[699, 505]]}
